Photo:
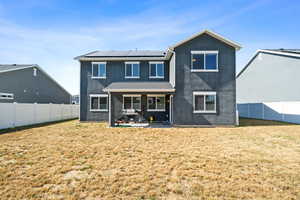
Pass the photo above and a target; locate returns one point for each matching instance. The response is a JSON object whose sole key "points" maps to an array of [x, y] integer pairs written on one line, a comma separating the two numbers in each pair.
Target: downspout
{"points": [[79, 90], [172, 96]]}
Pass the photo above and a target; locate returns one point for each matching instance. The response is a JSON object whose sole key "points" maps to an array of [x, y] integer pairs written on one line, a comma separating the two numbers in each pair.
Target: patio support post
{"points": [[109, 109]]}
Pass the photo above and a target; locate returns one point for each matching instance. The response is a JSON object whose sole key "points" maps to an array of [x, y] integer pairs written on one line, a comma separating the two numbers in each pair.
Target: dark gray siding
{"points": [[115, 72], [32, 89], [117, 106], [223, 82]]}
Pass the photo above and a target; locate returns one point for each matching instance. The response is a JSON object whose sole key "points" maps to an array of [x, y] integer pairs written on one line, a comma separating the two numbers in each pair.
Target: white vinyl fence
{"points": [[279, 111], [22, 114]]}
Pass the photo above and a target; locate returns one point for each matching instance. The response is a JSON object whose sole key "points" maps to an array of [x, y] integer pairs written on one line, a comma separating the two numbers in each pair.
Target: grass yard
{"points": [[72, 160]]}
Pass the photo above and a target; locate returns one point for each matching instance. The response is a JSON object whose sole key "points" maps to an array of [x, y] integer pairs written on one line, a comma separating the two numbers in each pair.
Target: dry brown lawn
{"points": [[72, 160]]}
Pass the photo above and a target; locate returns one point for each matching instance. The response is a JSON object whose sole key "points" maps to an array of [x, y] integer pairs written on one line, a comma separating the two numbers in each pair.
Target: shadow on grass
{"points": [[20, 128], [259, 122]]}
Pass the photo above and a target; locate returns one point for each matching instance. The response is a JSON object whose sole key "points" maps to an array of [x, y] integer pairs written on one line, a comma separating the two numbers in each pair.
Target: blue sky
{"points": [[52, 32]]}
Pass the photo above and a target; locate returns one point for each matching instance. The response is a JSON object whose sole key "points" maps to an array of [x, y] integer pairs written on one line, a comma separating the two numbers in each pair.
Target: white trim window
{"points": [[156, 69], [131, 102], [99, 70], [132, 69], [204, 102], [6, 95], [204, 61], [99, 102], [156, 103]]}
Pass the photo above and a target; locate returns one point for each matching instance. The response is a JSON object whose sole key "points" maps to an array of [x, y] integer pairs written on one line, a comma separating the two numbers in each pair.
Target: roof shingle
{"points": [[129, 53]]}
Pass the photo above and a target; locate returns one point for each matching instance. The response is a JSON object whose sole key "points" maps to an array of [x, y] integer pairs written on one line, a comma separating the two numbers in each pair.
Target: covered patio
{"points": [[140, 103]]}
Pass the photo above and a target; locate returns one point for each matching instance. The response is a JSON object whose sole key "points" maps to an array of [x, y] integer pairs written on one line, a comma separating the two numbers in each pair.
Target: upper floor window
{"points": [[99, 70], [132, 70], [157, 70], [206, 61], [99, 102], [6, 96], [204, 102]]}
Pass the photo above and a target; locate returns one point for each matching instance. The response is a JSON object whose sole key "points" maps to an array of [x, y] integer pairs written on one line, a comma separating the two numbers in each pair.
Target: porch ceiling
{"points": [[147, 86]]}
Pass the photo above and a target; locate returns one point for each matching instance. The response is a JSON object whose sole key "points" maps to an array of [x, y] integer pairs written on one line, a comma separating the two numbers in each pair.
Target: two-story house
{"points": [[29, 83], [191, 83]]}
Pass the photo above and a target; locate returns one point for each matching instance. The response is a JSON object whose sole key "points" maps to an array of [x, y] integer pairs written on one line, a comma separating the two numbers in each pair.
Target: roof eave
{"points": [[213, 34], [138, 90], [21, 68], [279, 53], [119, 58], [268, 52], [39, 68]]}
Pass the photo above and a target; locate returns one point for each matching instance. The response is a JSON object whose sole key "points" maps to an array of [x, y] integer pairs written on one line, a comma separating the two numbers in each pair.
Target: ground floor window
{"points": [[6, 96], [99, 102], [132, 102], [204, 102], [156, 102]]}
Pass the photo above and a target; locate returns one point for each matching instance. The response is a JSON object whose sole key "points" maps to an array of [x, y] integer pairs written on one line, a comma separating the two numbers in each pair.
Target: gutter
{"points": [[119, 58]]}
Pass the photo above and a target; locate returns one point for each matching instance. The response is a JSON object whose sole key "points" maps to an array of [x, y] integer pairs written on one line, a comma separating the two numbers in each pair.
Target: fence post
{"points": [[263, 110], [237, 118], [50, 111], [14, 114], [34, 113], [282, 111], [61, 113], [248, 110]]}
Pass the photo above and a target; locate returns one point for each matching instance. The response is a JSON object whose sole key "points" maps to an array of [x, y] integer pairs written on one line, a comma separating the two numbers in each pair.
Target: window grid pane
{"points": [[153, 70], [94, 103], [210, 101], [95, 70], [135, 70], [152, 103], [136, 103], [128, 70], [160, 103], [103, 103], [197, 61], [127, 103], [102, 70], [199, 102], [160, 69], [211, 61]]}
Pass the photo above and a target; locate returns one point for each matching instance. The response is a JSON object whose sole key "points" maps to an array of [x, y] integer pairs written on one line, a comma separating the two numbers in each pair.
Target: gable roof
{"points": [[279, 52], [146, 54], [14, 67], [212, 34]]}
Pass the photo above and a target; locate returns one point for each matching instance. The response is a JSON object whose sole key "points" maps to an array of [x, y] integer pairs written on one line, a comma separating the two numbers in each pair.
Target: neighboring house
{"points": [[75, 99], [270, 76], [30, 84], [191, 83]]}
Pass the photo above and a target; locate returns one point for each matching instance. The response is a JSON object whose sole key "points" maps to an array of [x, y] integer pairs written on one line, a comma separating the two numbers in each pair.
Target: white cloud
{"points": [[54, 49]]}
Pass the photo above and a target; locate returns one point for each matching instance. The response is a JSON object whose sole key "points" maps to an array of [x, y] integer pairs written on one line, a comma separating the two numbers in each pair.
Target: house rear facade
{"points": [[30, 84], [191, 83]]}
